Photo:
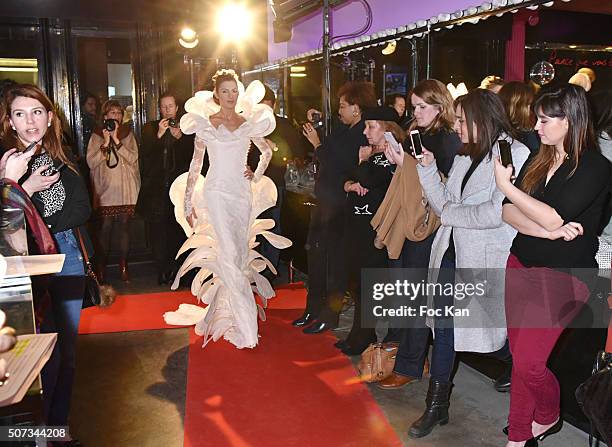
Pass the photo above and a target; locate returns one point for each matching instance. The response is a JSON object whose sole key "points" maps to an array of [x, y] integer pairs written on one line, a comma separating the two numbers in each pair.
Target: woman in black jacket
{"points": [[337, 156], [366, 190], [61, 198], [556, 205]]}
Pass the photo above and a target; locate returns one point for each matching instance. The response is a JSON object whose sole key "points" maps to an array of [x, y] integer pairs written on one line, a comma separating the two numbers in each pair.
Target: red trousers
{"points": [[540, 302]]}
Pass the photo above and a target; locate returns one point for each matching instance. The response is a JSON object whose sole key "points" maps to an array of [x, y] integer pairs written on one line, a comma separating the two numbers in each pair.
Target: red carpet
{"points": [[133, 313], [145, 311], [292, 390]]}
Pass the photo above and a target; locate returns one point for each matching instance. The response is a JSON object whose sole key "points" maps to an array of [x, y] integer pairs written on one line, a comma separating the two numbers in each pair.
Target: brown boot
{"points": [[395, 381], [123, 268]]}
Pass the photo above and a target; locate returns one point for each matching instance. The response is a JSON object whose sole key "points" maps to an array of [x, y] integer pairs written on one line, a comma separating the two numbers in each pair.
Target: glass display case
{"points": [[16, 290], [16, 301]]}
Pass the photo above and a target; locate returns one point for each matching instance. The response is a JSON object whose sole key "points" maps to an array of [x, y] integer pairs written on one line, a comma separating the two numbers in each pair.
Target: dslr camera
{"points": [[110, 124], [173, 122]]}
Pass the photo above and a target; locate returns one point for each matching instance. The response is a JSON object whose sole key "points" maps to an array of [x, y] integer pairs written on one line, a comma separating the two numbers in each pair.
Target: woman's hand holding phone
{"points": [[503, 174], [14, 164], [393, 156], [427, 158], [37, 181]]}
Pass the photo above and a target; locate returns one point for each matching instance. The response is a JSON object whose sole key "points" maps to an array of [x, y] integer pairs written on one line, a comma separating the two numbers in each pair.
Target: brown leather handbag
{"points": [[377, 361]]}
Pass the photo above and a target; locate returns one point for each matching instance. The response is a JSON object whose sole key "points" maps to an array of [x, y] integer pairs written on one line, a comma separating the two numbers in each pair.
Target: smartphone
{"points": [[53, 169], [417, 145], [505, 152], [393, 142], [31, 146]]}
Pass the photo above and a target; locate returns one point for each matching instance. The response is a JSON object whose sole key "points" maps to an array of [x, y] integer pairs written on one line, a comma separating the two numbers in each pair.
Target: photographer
{"points": [[338, 155], [112, 157], [89, 111], [165, 154]]}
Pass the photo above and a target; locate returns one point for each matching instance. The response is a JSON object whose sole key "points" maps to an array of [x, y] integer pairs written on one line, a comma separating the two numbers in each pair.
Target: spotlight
{"points": [[390, 48], [234, 22], [189, 38]]}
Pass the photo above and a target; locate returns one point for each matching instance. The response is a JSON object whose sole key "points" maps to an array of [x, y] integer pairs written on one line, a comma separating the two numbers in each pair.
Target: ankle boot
{"points": [[123, 268], [436, 411]]}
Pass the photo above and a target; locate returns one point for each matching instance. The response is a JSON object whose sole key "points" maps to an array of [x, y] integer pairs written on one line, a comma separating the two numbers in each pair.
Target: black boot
{"points": [[503, 382], [436, 411]]}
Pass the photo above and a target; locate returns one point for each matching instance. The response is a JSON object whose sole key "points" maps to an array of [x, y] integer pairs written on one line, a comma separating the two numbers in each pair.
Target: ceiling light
{"points": [[390, 48], [234, 22], [189, 38]]}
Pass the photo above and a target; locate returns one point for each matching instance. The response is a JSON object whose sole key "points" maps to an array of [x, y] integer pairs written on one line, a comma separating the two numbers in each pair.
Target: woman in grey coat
{"points": [[473, 238]]}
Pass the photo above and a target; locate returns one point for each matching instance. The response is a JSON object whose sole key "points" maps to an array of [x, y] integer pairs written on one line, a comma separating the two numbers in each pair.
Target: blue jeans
{"points": [[63, 317], [413, 346]]}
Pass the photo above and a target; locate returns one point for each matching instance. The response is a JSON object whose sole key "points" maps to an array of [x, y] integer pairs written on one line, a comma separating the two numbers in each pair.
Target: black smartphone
{"points": [[53, 169], [417, 145], [505, 152]]}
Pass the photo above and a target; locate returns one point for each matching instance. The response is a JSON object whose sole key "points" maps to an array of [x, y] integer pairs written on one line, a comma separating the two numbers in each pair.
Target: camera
{"points": [[110, 124], [317, 123], [173, 122]]}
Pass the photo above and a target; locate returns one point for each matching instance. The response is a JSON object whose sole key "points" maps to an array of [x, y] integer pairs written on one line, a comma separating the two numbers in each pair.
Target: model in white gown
{"points": [[226, 204]]}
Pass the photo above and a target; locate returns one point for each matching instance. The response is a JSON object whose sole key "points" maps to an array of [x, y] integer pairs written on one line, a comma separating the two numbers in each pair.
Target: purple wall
{"points": [[350, 17]]}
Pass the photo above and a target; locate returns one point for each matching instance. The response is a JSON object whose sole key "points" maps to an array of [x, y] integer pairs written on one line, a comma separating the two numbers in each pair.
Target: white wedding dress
{"points": [[226, 204]]}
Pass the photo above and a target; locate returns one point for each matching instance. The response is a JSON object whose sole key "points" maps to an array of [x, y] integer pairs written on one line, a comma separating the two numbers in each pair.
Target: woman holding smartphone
{"points": [[556, 205], [434, 118], [337, 155], [60, 195], [472, 237], [366, 190]]}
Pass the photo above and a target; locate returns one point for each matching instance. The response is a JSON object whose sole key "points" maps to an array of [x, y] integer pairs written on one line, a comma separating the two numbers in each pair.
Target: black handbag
{"points": [[594, 396], [96, 294]]}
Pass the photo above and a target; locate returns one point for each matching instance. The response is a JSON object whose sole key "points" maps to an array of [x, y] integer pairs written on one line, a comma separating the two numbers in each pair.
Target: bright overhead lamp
{"points": [[297, 75], [390, 48], [297, 69], [189, 38], [234, 22]]}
